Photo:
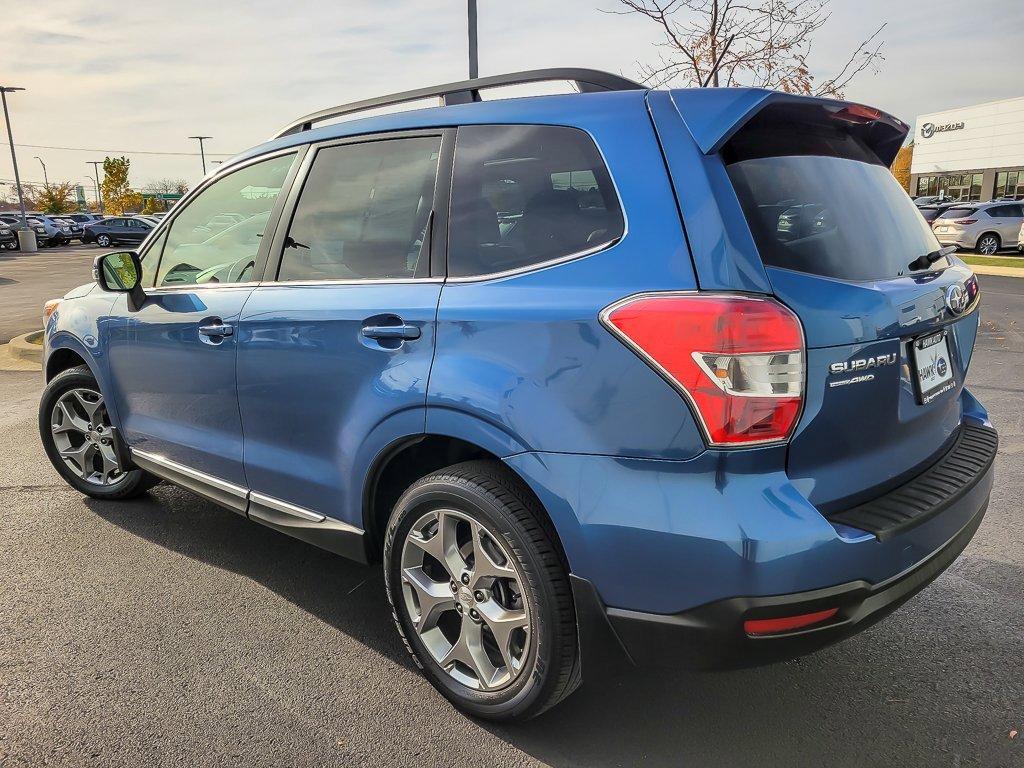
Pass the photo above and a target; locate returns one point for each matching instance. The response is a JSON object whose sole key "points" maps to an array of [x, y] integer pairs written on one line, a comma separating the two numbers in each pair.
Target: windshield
{"points": [[831, 216]]}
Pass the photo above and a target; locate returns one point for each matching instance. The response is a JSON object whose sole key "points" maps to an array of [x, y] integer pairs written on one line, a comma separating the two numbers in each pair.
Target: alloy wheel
{"points": [[84, 438], [103, 241], [464, 597], [988, 245]]}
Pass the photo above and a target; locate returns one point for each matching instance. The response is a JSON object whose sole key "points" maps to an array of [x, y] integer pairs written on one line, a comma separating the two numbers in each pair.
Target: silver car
{"points": [[985, 227]]}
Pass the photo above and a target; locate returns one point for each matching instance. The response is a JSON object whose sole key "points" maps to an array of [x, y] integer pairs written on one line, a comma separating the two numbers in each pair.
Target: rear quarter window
{"points": [[524, 195]]}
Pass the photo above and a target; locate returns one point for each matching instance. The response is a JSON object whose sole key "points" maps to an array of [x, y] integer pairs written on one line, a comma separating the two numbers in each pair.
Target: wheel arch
{"points": [[405, 461], [986, 234], [66, 352]]}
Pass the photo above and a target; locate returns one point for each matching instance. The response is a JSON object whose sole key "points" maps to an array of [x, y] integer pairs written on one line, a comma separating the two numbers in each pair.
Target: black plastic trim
{"points": [[930, 492]]}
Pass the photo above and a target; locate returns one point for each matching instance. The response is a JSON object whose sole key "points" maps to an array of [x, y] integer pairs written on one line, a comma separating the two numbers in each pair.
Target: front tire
{"points": [[480, 593], [988, 244], [103, 241], [80, 442]]}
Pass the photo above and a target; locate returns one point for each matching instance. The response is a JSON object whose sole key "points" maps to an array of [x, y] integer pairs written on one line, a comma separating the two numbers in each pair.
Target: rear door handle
{"points": [[216, 329], [403, 331]]}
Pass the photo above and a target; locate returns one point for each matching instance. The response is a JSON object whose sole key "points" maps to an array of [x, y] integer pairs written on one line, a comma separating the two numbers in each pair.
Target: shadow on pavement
{"points": [[348, 596], [885, 697]]}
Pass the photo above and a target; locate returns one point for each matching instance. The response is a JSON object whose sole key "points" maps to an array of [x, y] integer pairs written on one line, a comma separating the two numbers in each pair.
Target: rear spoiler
{"points": [[715, 115]]}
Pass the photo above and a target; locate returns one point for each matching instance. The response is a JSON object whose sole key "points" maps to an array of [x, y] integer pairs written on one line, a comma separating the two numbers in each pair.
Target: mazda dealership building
{"points": [[972, 153]]}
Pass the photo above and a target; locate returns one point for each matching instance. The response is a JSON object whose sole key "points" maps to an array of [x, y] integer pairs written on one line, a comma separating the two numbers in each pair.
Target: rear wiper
{"points": [[923, 262]]}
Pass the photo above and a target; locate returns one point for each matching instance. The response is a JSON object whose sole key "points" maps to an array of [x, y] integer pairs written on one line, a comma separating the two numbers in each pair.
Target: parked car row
{"points": [[55, 230]]}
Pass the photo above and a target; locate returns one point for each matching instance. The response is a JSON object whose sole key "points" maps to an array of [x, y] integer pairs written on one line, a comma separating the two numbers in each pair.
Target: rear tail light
{"points": [[739, 360], [759, 627], [964, 221]]}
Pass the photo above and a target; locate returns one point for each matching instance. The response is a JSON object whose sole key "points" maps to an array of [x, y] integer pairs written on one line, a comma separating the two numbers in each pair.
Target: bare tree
{"points": [[167, 187], [763, 43]]}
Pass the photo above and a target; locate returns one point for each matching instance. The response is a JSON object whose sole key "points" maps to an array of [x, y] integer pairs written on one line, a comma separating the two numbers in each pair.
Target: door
{"points": [[135, 231], [115, 229], [336, 344], [173, 366], [887, 345], [1006, 220]]}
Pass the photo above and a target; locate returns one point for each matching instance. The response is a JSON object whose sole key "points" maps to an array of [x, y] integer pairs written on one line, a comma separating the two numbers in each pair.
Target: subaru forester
{"points": [[669, 376]]}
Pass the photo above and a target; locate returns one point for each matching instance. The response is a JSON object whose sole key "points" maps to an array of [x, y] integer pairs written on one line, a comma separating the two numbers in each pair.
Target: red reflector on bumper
{"points": [[786, 623]]}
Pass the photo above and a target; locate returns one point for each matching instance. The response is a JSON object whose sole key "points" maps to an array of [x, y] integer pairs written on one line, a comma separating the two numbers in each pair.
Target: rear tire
{"points": [[482, 507], [76, 433], [988, 244]]}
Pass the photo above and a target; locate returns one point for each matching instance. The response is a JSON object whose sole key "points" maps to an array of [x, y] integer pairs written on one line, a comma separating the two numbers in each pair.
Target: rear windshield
{"points": [[832, 216], [957, 213]]}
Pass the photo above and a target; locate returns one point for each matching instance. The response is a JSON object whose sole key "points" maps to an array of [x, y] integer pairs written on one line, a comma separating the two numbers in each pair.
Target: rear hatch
{"points": [[950, 223], [889, 335]]}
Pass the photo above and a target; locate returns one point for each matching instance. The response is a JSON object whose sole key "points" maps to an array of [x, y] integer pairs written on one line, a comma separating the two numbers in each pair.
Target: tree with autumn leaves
{"points": [[118, 196]]}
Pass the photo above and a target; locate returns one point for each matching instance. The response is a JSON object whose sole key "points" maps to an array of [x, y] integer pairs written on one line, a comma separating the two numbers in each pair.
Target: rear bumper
{"points": [[669, 559], [959, 239], [712, 636]]}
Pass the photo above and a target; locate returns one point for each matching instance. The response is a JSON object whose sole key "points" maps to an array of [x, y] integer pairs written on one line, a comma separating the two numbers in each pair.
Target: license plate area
{"points": [[933, 366]]}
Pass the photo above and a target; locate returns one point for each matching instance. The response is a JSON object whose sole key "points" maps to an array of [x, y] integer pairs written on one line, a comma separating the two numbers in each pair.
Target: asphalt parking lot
{"points": [[167, 631]]}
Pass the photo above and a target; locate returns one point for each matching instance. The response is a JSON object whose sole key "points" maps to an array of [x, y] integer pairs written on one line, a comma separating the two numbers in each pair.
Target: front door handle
{"points": [[216, 329], [403, 331]]}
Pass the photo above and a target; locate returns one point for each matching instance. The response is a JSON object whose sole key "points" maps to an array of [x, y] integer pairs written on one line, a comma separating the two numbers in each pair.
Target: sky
{"points": [[113, 77]]}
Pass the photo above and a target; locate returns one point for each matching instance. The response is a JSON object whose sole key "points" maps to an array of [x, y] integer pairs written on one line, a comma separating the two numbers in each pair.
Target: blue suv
{"points": [[668, 376]]}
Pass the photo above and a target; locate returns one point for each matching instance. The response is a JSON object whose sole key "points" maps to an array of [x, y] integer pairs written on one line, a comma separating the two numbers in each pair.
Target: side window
{"points": [[526, 194], [216, 237], [999, 211], [363, 212], [151, 259]]}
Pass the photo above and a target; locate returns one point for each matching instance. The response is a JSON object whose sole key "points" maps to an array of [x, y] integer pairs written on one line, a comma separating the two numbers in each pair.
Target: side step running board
{"points": [[301, 523]]}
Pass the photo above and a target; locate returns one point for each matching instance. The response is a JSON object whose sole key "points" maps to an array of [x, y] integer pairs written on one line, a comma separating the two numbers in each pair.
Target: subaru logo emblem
{"points": [[956, 298], [927, 130]]}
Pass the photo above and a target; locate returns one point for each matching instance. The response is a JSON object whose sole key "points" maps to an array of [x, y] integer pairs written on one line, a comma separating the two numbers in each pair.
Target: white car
{"points": [[984, 227]]}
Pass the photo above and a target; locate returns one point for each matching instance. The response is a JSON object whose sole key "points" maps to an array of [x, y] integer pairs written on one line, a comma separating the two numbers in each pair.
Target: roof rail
{"points": [[466, 91]]}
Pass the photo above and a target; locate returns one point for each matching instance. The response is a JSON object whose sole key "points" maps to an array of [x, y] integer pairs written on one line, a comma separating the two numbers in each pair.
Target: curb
{"points": [[27, 347], [997, 271]]}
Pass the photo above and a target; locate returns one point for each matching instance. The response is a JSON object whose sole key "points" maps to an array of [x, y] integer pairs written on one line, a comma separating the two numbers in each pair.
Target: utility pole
{"points": [[202, 154], [474, 69], [96, 169], [96, 187], [46, 180], [4, 90]]}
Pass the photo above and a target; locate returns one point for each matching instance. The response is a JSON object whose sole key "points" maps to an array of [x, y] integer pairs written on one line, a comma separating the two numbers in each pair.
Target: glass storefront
{"points": [[1009, 185], [962, 186]]}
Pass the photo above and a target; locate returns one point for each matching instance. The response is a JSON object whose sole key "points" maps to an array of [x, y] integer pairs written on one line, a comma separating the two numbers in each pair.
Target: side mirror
{"points": [[121, 272]]}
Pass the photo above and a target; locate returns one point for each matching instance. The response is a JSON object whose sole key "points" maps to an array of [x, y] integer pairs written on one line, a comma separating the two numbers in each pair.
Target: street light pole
{"points": [[202, 154], [4, 90], [46, 179], [474, 69], [96, 169]]}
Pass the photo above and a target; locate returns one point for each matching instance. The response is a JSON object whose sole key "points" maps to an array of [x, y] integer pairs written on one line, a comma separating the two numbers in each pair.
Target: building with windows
{"points": [[971, 153]]}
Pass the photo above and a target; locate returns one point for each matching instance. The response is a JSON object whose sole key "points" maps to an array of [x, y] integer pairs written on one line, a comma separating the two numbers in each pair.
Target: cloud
{"points": [[100, 74]]}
